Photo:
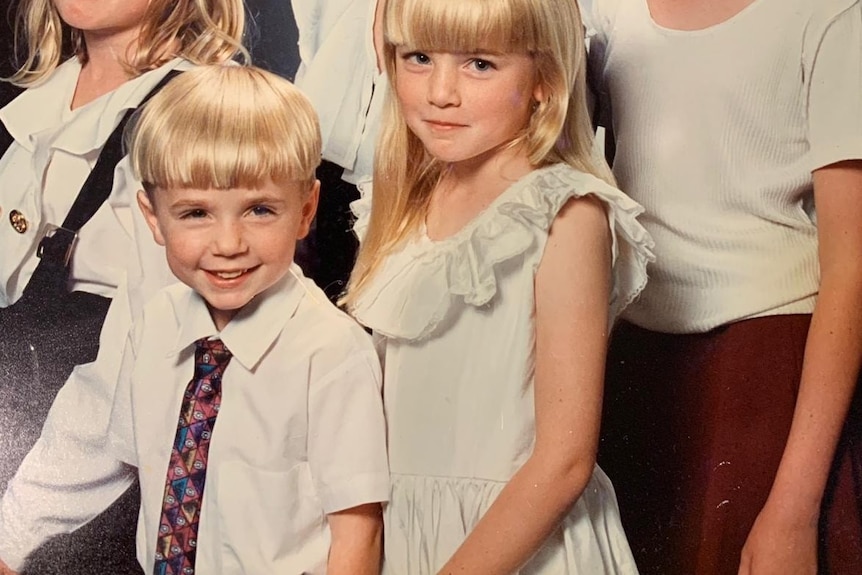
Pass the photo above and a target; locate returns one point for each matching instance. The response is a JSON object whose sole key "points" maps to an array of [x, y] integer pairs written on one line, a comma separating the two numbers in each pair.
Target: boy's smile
{"points": [[230, 245]]}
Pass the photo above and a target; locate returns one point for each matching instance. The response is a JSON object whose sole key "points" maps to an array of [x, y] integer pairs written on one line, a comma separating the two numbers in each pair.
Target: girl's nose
{"points": [[229, 239], [443, 86]]}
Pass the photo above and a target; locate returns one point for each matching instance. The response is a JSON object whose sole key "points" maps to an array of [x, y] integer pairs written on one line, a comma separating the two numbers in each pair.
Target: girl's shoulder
{"points": [[415, 287]]}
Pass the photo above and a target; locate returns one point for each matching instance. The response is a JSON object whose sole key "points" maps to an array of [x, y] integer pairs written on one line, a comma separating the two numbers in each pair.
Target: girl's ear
{"points": [[150, 216], [539, 92]]}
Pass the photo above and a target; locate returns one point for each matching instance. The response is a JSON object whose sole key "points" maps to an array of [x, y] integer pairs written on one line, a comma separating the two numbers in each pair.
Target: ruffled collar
{"points": [[414, 288]]}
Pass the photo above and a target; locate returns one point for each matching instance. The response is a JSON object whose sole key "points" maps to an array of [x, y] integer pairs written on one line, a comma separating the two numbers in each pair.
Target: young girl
{"points": [[730, 380], [496, 258], [68, 235]]}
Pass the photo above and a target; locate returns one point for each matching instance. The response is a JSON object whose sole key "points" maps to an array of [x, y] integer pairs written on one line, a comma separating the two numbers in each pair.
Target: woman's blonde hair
{"points": [[550, 31], [203, 31], [224, 126]]}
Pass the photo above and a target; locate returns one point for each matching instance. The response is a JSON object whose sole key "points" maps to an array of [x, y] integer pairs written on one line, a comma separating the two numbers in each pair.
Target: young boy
{"points": [[272, 459]]}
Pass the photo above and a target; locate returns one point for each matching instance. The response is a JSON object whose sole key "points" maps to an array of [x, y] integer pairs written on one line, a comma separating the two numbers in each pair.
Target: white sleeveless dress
{"points": [[457, 320]]}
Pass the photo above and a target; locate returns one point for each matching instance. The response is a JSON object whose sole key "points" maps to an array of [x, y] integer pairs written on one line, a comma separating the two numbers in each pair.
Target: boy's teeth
{"points": [[230, 275]]}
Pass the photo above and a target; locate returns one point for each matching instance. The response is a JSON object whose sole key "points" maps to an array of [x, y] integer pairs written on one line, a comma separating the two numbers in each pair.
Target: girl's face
{"points": [[103, 18], [465, 106]]}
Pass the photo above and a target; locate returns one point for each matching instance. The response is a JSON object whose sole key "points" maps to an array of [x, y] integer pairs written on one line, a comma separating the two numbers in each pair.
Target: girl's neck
{"points": [[495, 168], [104, 70], [467, 188]]}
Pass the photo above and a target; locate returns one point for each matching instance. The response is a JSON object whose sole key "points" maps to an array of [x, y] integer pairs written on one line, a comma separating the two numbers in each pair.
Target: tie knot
{"points": [[211, 352]]}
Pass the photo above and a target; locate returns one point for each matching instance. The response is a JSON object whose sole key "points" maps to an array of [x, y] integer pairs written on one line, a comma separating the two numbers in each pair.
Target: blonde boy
{"points": [[272, 458]]}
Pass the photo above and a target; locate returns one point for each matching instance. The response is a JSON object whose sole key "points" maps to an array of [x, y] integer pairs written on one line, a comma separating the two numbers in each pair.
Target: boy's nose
{"points": [[229, 239], [443, 87]]}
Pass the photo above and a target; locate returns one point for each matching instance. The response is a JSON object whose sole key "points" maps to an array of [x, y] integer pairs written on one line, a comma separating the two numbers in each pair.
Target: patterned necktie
{"points": [[184, 486]]}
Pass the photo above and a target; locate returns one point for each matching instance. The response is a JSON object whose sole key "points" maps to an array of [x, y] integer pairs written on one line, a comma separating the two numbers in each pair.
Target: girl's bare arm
{"points": [[572, 287]]}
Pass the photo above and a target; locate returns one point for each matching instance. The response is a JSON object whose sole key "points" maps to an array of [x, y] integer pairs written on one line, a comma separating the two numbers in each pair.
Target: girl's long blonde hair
{"points": [[559, 130], [204, 32]]}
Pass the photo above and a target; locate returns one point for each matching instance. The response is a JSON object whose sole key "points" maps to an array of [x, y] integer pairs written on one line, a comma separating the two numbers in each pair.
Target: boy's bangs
{"points": [[235, 134], [462, 25]]}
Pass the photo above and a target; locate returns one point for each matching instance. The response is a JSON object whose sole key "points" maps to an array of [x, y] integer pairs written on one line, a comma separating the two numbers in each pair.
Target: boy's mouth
{"points": [[230, 275]]}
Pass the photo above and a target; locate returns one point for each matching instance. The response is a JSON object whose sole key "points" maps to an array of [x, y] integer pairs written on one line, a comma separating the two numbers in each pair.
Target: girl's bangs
{"points": [[462, 25]]}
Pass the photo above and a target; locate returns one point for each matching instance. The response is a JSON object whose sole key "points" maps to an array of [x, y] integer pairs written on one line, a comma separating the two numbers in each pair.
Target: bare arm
{"points": [[784, 537], [357, 535], [572, 287]]}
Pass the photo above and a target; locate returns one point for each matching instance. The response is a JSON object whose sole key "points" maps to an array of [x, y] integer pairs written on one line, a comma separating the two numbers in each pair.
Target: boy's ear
{"points": [[309, 208], [150, 216]]}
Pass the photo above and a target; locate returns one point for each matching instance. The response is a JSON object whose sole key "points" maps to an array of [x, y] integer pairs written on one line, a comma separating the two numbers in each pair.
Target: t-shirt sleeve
{"points": [[833, 68], [347, 433]]}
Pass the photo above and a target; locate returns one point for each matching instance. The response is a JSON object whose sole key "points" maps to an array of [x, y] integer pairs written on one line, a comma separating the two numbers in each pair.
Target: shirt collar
{"points": [[254, 329], [41, 108]]}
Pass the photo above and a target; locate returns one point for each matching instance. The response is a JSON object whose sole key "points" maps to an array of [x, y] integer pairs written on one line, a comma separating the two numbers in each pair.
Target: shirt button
{"points": [[18, 221]]}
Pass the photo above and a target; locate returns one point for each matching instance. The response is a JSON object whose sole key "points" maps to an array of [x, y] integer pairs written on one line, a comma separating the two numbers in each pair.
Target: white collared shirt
{"points": [[300, 433], [53, 152], [338, 72]]}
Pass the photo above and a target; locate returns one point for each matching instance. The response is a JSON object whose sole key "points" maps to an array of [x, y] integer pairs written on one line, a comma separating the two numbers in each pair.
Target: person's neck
{"points": [[496, 169], [104, 70]]}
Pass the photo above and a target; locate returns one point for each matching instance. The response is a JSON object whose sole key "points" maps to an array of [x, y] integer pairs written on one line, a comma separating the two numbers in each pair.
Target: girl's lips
{"points": [[443, 125]]}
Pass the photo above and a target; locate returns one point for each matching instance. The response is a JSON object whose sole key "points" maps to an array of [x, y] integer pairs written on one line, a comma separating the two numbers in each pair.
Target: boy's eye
{"points": [[482, 65], [192, 214], [261, 211]]}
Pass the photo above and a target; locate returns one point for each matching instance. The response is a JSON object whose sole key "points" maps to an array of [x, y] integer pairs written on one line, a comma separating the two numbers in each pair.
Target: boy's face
{"points": [[230, 245]]}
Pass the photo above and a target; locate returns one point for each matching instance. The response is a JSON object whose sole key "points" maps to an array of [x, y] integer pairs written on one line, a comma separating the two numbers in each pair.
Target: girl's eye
{"points": [[482, 65], [261, 211], [418, 58], [193, 214]]}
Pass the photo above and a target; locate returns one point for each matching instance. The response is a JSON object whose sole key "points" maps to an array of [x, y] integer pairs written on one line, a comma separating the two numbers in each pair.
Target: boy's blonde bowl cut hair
{"points": [[559, 131], [222, 127], [201, 31]]}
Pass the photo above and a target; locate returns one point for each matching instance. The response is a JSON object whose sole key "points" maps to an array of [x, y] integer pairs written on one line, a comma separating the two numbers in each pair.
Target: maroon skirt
{"points": [[693, 431]]}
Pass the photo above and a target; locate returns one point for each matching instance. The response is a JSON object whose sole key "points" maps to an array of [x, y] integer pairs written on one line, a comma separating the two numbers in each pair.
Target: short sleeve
{"points": [[834, 72], [347, 434]]}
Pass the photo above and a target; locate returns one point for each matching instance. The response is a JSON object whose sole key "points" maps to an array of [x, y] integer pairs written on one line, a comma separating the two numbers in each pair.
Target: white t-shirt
{"points": [[41, 174], [300, 433], [717, 133], [338, 72]]}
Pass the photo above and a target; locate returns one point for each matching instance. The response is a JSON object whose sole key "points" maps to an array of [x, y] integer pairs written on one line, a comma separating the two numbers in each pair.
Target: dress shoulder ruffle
{"points": [[414, 288]]}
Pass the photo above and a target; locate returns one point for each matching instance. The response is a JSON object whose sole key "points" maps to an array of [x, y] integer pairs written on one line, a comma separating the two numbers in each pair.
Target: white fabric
{"points": [[300, 432], [44, 169], [338, 72], [717, 133], [458, 316]]}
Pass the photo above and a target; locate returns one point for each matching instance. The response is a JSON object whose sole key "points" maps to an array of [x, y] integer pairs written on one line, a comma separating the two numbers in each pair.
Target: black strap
{"points": [[57, 245], [92, 195]]}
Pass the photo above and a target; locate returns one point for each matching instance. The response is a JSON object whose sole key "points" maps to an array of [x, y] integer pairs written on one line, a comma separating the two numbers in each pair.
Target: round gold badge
{"points": [[18, 221]]}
